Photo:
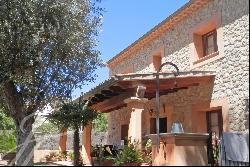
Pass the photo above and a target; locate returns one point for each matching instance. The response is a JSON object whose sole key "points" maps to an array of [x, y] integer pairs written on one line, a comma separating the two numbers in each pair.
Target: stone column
{"points": [[63, 140], [136, 106], [86, 144]]}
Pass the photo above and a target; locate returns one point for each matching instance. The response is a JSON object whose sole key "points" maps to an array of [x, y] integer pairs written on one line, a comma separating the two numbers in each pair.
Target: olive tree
{"points": [[47, 49]]}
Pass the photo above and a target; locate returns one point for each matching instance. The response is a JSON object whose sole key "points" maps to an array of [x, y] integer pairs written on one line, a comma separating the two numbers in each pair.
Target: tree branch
{"points": [[13, 99]]}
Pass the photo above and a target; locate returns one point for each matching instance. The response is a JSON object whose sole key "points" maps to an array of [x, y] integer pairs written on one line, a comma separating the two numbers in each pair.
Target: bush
{"points": [[100, 124], [62, 155], [71, 155], [129, 154], [51, 157], [7, 141], [147, 154]]}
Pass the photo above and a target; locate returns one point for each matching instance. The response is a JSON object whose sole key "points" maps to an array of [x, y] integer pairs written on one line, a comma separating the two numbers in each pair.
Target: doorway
{"points": [[124, 133], [215, 122], [214, 128]]}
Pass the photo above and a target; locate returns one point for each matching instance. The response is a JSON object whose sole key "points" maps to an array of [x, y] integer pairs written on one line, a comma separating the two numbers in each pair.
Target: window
{"points": [[124, 133], [215, 122], [209, 41], [157, 62], [162, 125]]}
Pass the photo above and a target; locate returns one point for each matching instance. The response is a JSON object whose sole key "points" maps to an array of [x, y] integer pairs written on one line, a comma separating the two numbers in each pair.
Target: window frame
{"points": [[205, 38], [153, 125]]}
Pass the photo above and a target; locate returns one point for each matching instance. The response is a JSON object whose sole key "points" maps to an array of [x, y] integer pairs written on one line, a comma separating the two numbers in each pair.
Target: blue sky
{"points": [[124, 22]]}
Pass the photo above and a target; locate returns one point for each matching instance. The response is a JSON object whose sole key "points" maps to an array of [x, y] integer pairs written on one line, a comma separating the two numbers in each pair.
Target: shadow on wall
{"points": [[194, 155], [116, 119], [247, 113]]}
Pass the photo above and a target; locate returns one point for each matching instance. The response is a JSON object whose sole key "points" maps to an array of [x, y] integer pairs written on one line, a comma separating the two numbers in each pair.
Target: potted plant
{"points": [[147, 154], [70, 156], [52, 157], [62, 155], [129, 155], [105, 155]]}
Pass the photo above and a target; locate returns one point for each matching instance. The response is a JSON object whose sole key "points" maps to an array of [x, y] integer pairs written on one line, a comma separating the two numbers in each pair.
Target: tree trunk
{"points": [[76, 148], [23, 119], [25, 142]]}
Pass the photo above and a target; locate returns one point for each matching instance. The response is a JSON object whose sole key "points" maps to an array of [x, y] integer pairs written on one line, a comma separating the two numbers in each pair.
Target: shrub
{"points": [[71, 155], [51, 157], [147, 154], [7, 141], [62, 155], [129, 154]]}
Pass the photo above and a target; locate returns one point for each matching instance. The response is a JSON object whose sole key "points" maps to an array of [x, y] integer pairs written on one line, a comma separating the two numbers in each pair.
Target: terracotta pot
{"points": [[131, 164], [106, 163], [9, 157], [145, 164]]}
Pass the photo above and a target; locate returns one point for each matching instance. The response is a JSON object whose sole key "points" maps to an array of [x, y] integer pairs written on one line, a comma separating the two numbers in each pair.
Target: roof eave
{"points": [[158, 29]]}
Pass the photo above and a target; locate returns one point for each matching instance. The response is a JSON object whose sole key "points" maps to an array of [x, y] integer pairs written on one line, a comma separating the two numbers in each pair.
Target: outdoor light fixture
{"points": [[158, 99]]}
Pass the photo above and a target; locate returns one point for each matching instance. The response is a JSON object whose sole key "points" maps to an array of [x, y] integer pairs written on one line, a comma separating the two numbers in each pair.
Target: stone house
{"points": [[208, 40]]}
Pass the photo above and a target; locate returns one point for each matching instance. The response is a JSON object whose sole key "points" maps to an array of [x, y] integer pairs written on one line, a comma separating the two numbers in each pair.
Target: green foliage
{"points": [[6, 122], [62, 155], [7, 133], [47, 49], [59, 156], [100, 124], [101, 152], [129, 154], [147, 153], [7, 141], [72, 115], [47, 128], [52, 156], [71, 154]]}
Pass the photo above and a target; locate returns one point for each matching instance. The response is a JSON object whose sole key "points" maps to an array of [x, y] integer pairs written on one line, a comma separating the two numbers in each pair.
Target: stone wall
{"points": [[51, 141], [232, 68], [115, 120], [175, 106]]}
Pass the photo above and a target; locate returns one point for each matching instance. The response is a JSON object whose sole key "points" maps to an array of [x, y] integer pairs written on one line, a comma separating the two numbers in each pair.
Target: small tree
{"points": [[73, 115]]}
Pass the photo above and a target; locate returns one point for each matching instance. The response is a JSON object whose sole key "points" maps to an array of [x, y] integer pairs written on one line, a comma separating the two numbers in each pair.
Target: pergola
{"points": [[110, 95], [121, 89]]}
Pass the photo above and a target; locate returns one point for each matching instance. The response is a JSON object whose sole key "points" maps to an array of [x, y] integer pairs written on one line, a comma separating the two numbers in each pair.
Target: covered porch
{"points": [[130, 101]]}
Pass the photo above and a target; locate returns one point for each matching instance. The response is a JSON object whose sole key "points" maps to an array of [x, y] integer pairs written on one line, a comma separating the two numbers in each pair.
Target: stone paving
{"points": [[58, 163]]}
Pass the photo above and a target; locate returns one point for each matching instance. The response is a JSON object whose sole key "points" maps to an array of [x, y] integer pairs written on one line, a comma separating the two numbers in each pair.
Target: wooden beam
{"points": [[101, 96], [115, 108], [114, 101], [109, 93], [151, 95], [117, 89]]}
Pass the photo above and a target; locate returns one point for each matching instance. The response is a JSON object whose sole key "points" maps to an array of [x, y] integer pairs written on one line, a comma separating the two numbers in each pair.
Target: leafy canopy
{"points": [[47, 128], [7, 141], [72, 115], [7, 132], [6, 122], [48, 47], [100, 124]]}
